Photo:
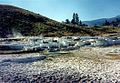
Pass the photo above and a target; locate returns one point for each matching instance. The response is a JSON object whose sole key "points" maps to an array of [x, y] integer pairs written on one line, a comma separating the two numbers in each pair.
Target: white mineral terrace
{"points": [[55, 43]]}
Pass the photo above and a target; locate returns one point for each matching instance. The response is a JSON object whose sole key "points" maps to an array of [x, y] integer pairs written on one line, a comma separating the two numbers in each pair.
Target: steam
{"points": [[16, 34]]}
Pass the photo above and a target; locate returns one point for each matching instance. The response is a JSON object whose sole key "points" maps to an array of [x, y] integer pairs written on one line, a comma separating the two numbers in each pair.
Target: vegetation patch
{"points": [[113, 56]]}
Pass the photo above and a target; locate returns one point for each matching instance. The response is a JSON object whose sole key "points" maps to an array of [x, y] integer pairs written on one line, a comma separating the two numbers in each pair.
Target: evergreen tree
{"points": [[80, 23], [67, 21], [76, 19], [73, 21], [84, 25], [117, 20], [106, 23], [96, 26], [114, 23]]}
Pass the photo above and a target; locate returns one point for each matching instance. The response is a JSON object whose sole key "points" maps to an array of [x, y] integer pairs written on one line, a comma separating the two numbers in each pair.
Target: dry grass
{"points": [[113, 56]]}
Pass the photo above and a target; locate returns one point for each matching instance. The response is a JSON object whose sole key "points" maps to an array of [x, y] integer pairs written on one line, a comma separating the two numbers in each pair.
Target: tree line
{"points": [[115, 23], [75, 20]]}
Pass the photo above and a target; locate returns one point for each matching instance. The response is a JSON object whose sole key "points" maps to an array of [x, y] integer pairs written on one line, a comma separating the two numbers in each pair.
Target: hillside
{"points": [[18, 19], [27, 23]]}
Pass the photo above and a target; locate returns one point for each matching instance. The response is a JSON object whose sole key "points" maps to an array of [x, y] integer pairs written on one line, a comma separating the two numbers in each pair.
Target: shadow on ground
{"points": [[26, 60]]}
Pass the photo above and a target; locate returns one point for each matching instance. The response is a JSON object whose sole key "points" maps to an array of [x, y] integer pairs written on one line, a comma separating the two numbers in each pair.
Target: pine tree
{"points": [[106, 23], [73, 21], [67, 21], [76, 19], [80, 23], [117, 20]]}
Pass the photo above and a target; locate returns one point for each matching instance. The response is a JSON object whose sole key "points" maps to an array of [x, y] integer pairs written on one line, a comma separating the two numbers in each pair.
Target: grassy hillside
{"points": [[21, 20], [29, 23]]}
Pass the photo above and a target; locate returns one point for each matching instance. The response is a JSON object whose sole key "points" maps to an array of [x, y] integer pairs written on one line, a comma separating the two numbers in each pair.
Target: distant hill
{"points": [[101, 21]]}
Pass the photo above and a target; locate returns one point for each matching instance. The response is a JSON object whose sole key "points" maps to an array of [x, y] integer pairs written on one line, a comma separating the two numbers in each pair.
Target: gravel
{"points": [[81, 66]]}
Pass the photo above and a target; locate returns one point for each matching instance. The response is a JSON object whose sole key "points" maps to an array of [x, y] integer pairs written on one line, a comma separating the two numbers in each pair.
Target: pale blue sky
{"points": [[61, 9]]}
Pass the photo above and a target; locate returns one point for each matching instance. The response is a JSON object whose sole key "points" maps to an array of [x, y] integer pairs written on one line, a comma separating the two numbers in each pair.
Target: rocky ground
{"points": [[86, 65]]}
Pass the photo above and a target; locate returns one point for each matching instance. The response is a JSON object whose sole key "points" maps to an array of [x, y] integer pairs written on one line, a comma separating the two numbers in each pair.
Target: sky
{"points": [[62, 9]]}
